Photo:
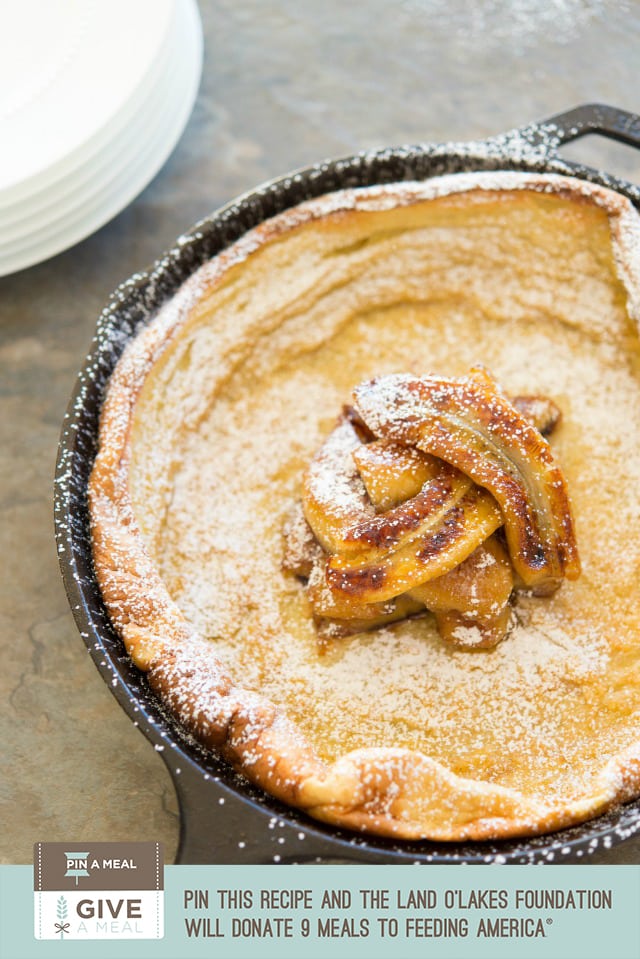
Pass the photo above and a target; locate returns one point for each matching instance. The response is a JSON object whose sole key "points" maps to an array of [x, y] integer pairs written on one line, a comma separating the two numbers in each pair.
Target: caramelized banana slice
{"points": [[410, 521], [473, 632], [539, 410], [472, 425], [479, 586], [473, 596], [392, 473], [301, 549], [337, 615], [372, 617], [457, 533], [342, 517], [333, 496], [471, 601]]}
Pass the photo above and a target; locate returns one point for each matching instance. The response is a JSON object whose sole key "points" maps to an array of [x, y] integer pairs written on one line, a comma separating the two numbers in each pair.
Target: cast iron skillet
{"points": [[223, 818]]}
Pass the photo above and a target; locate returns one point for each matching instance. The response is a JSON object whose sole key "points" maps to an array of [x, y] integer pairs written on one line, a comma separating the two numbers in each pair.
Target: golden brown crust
{"points": [[385, 790], [391, 792]]}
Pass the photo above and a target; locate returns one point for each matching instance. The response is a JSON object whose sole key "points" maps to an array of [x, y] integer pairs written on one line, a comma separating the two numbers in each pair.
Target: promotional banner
{"points": [[77, 901]]}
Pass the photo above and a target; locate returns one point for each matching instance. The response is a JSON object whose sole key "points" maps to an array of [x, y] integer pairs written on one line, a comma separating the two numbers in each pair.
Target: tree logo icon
{"points": [[61, 911]]}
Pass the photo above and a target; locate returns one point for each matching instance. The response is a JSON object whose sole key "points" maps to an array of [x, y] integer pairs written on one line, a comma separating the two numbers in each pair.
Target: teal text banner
{"points": [[395, 912]]}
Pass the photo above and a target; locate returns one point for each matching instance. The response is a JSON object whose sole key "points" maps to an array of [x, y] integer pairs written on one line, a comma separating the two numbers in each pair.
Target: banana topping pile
{"points": [[438, 494]]}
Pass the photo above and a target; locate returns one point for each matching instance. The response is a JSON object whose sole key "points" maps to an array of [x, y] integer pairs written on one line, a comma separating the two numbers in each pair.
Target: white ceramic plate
{"points": [[67, 68], [61, 204]]}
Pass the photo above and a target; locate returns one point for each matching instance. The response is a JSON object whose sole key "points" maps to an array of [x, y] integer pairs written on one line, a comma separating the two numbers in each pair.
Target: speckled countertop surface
{"points": [[284, 85]]}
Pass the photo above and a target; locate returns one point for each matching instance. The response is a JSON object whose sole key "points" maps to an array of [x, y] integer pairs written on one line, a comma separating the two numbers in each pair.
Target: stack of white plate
{"points": [[94, 95]]}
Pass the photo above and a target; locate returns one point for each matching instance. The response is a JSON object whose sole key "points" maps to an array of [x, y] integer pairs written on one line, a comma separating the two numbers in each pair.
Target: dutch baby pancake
{"points": [[457, 362]]}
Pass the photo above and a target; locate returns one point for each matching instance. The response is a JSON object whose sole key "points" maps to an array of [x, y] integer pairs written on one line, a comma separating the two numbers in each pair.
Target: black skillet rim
{"points": [[202, 781]]}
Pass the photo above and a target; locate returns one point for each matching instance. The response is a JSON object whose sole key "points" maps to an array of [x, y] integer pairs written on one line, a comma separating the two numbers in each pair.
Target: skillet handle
{"points": [[219, 827], [540, 142], [600, 118]]}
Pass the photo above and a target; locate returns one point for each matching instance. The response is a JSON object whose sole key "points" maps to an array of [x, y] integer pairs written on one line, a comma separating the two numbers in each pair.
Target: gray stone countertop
{"points": [[284, 84]]}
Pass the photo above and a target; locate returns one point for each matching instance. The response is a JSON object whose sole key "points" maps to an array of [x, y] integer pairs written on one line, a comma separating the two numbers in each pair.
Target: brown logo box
{"points": [[97, 865]]}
